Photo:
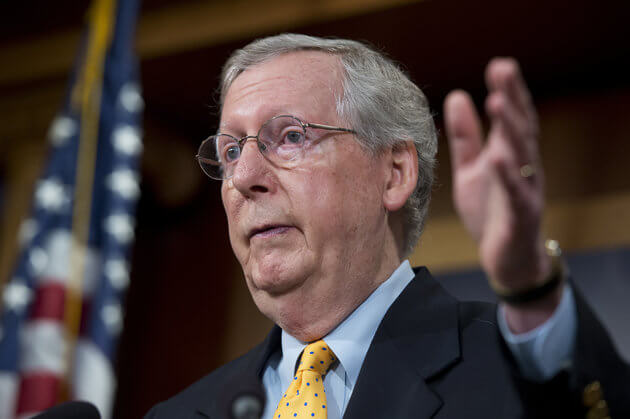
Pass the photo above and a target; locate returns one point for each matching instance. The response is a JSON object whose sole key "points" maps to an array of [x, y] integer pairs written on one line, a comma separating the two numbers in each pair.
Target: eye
{"points": [[231, 153], [293, 137]]}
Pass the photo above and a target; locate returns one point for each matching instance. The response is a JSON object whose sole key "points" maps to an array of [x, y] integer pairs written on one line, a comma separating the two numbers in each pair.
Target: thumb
{"points": [[463, 128]]}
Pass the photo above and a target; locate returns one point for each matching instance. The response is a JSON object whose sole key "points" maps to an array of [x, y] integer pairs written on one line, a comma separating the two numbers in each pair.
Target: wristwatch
{"points": [[557, 276]]}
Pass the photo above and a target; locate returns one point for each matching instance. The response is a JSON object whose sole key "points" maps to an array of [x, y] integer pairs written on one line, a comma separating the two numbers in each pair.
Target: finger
{"points": [[525, 195], [463, 128], [504, 74], [510, 125]]}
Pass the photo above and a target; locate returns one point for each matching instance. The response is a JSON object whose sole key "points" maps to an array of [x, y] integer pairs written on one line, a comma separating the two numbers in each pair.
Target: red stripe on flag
{"points": [[38, 391], [49, 301]]}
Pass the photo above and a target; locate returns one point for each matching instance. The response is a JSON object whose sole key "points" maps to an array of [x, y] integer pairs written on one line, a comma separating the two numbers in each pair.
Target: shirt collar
{"points": [[351, 339]]}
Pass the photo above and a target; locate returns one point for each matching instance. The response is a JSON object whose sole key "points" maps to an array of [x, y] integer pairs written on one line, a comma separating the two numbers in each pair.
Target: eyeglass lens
{"points": [[279, 139]]}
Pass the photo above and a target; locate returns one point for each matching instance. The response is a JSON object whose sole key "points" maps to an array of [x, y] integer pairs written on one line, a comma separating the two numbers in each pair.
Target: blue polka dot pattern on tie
{"points": [[306, 386]]}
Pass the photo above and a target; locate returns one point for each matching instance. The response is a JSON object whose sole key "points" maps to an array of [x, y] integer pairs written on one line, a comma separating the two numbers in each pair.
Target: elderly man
{"points": [[326, 152]]}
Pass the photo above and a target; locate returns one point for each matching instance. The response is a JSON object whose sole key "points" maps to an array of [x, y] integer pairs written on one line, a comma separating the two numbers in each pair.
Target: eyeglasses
{"points": [[282, 139]]}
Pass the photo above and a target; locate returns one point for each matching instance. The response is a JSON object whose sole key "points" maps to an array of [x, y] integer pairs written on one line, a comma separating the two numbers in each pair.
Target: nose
{"points": [[252, 172]]}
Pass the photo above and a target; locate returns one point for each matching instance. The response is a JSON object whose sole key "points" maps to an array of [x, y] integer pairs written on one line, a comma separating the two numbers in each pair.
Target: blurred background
{"points": [[187, 310]]}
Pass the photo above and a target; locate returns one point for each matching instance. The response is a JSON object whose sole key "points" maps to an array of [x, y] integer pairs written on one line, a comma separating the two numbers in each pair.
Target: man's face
{"points": [[309, 238]]}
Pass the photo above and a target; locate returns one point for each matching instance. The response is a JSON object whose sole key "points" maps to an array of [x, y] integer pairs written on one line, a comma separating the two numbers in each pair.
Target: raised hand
{"points": [[498, 183]]}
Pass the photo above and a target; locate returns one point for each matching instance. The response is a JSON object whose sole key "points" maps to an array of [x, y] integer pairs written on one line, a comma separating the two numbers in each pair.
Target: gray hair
{"points": [[379, 100]]}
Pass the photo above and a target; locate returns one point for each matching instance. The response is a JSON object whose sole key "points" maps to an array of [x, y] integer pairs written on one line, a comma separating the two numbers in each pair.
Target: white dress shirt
{"points": [[540, 352]]}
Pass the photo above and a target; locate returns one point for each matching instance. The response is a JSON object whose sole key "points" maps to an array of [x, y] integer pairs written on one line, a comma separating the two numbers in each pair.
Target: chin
{"points": [[277, 271], [275, 278], [278, 290]]}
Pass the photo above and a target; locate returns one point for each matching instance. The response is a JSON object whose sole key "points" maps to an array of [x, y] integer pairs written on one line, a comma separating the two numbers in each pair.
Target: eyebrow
{"points": [[267, 114]]}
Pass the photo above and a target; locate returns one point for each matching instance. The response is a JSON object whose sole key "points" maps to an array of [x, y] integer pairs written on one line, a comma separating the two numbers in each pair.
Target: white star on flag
{"points": [[117, 272], [38, 260], [120, 226], [124, 182], [61, 130], [126, 140], [17, 295], [130, 98], [112, 317], [51, 195]]}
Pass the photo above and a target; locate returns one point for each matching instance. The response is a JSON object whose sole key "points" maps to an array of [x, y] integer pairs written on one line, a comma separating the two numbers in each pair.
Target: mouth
{"points": [[269, 230]]}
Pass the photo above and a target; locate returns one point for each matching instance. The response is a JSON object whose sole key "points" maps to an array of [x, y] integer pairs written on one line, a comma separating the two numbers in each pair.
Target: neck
{"points": [[306, 322]]}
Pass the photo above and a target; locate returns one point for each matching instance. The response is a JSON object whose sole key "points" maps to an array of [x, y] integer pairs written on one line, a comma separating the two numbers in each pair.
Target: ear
{"points": [[403, 175]]}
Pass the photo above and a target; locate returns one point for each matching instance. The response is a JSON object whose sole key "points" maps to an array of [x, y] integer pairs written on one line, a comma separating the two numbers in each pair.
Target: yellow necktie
{"points": [[306, 397]]}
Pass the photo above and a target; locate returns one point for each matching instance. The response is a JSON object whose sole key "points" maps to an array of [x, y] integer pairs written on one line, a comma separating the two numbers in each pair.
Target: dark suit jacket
{"points": [[435, 357]]}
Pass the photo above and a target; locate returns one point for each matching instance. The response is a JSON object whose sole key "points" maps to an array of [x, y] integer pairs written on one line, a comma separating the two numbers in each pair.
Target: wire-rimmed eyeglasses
{"points": [[281, 139]]}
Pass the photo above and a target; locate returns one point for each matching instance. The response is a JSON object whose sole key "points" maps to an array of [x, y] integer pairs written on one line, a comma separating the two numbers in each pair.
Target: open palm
{"points": [[498, 183]]}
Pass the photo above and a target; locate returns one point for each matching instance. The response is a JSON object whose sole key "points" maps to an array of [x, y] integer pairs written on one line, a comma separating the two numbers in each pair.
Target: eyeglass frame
{"points": [[243, 140]]}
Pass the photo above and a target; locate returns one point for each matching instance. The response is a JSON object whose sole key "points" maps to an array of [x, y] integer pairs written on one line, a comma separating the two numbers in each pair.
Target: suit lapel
{"points": [[249, 371], [417, 339]]}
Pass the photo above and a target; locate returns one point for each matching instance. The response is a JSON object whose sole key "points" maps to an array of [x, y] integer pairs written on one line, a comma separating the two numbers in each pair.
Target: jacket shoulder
{"points": [[477, 314], [211, 392]]}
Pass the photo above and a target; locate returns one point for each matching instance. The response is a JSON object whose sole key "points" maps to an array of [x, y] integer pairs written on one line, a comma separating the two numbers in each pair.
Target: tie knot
{"points": [[317, 357]]}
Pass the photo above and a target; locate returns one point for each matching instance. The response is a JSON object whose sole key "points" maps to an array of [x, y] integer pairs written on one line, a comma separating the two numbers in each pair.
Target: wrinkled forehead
{"points": [[327, 67], [305, 83]]}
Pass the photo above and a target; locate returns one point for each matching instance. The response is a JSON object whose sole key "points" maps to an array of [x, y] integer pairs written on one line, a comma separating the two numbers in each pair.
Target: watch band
{"points": [[553, 280]]}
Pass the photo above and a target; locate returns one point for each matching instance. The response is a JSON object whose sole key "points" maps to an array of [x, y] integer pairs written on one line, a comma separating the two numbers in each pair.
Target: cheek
{"points": [[320, 195], [231, 208], [338, 202]]}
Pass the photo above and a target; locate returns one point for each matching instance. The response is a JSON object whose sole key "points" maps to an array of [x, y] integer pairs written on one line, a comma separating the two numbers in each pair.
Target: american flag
{"points": [[62, 308]]}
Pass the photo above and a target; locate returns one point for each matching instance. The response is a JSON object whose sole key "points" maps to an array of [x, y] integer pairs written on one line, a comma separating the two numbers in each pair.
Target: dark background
{"points": [[187, 311]]}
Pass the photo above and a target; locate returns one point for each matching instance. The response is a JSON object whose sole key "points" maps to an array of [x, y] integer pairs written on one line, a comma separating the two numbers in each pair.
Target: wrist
{"points": [[551, 275], [523, 318]]}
